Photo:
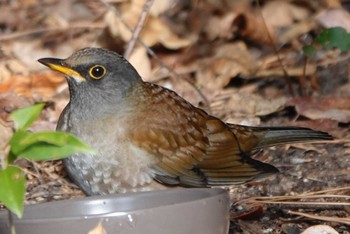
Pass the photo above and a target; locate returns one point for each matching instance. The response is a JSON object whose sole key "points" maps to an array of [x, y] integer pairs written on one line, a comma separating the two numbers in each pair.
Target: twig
{"points": [[153, 55], [138, 28], [288, 79], [302, 78], [288, 200], [323, 218]]}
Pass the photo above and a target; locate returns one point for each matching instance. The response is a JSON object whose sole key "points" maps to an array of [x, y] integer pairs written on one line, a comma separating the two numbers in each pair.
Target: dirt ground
{"points": [[241, 61]]}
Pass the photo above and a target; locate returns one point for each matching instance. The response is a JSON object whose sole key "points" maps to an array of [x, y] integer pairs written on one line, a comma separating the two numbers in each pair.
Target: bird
{"points": [[146, 137]]}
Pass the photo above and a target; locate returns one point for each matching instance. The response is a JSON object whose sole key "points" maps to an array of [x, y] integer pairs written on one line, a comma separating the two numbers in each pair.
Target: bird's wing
{"points": [[191, 147]]}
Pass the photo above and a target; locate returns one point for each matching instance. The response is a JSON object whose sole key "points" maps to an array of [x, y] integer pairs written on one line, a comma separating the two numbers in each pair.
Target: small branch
{"points": [[323, 218], [300, 200], [138, 28], [286, 76]]}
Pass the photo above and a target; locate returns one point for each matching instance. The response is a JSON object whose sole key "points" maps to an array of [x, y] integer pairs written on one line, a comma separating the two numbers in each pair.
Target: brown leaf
{"points": [[229, 61], [283, 13], [336, 17], [335, 108], [250, 25], [35, 85], [141, 62], [154, 30], [220, 26]]}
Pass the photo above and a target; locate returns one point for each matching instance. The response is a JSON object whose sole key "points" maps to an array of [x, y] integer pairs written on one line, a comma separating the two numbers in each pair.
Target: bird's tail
{"points": [[269, 136]]}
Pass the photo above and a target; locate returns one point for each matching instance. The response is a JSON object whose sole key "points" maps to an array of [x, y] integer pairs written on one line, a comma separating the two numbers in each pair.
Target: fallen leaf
{"points": [[43, 85], [228, 61], [141, 62], [159, 6], [335, 17], [283, 13], [248, 114], [153, 31], [220, 26], [326, 125], [334, 108]]}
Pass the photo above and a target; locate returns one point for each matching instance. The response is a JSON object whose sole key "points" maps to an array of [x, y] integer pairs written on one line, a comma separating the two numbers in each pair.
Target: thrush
{"points": [[148, 137]]}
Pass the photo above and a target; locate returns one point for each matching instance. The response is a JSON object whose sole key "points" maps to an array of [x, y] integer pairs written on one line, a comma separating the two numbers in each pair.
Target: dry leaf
{"points": [[243, 20], [296, 30], [337, 17], [29, 52], [159, 6], [250, 25], [141, 62], [8, 67], [229, 61], [154, 30], [279, 14], [335, 108], [41, 84], [255, 104], [220, 26]]}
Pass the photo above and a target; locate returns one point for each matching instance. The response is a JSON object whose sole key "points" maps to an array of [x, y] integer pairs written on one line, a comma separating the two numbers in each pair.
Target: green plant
{"points": [[329, 38], [48, 145]]}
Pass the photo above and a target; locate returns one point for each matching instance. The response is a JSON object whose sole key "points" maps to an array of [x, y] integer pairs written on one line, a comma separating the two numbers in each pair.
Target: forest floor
{"points": [[241, 61]]}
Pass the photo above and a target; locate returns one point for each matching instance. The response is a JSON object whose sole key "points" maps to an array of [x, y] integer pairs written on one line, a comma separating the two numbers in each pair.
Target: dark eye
{"points": [[97, 72]]}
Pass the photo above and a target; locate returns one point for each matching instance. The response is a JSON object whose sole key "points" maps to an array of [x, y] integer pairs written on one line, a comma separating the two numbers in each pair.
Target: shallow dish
{"points": [[174, 211]]}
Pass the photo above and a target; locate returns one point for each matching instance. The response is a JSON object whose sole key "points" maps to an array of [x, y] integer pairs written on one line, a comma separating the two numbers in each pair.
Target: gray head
{"points": [[96, 75]]}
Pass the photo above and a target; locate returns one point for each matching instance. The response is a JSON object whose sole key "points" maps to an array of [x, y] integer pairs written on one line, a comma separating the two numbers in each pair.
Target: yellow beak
{"points": [[58, 65]]}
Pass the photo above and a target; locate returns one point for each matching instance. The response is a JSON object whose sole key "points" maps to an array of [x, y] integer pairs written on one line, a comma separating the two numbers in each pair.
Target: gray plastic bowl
{"points": [[178, 211]]}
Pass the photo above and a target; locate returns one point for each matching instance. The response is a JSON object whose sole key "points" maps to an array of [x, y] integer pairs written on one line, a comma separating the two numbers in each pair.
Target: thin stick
{"points": [[324, 218], [288, 200], [138, 28], [288, 79]]}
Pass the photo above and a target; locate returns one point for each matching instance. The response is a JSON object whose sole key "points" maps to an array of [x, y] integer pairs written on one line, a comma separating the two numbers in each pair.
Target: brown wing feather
{"points": [[192, 148]]}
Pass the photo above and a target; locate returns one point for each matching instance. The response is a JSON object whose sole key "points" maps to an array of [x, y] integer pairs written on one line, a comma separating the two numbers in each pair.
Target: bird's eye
{"points": [[97, 72]]}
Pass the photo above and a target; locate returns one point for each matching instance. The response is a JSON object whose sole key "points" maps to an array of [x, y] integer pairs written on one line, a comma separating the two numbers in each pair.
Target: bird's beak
{"points": [[60, 66]]}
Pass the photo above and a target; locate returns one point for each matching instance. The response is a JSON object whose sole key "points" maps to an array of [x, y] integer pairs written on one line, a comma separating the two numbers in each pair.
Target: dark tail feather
{"points": [[283, 135]]}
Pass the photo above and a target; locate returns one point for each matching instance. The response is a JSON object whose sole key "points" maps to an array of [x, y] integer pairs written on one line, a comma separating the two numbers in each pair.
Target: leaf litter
{"points": [[224, 51]]}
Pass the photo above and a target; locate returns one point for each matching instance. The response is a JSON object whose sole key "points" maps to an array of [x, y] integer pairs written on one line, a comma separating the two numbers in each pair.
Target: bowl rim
{"points": [[210, 193]]}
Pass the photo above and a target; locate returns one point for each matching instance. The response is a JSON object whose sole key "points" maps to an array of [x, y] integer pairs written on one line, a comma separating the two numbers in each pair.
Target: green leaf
{"points": [[16, 141], [48, 145], [309, 51], [51, 146], [12, 184], [336, 37], [23, 118], [11, 158]]}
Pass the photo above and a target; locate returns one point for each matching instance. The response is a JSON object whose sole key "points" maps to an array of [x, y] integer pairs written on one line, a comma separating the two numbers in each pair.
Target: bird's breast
{"points": [[118, 166]]}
